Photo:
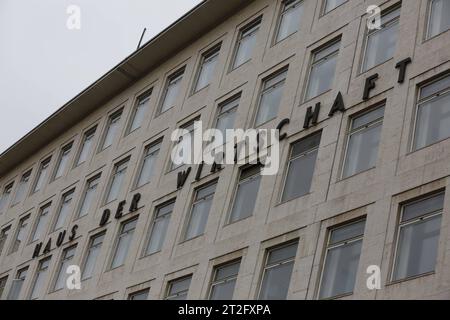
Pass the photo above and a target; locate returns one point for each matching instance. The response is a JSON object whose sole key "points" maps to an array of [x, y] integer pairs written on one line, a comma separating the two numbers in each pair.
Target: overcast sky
{"points": [[43, 64]]}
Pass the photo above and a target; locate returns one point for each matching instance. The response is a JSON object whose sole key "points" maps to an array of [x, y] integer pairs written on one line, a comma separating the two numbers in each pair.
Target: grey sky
{"points": [[43, 64]]}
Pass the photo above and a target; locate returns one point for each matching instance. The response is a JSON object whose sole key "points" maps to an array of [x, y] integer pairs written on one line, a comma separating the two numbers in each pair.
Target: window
{"points": [[363, 141], [86, 146], [277, 272], [89, 196], [291, 13], [140, 295], [123, 243], [439, 20], [418, 237], [171, 91], [270, 98], [227, 115], [178, 289], [115, 186], [245, 43], [66, 259], [22, 188], [322, 71], [3, 237], [246, 193], [341, 260], [148, 163], [300, 172], [39, 229], [17, 284], [3, 285], [95, 246], [159, 227], [139, 111], [207, 68], [381, 43], [42, 175], [332, 4], [224, 281], [184, 145], [433, 114], [20, 234], [64, 210], [111, 130], [40, 278], [200, 211], [4, 198], [63, 161]]}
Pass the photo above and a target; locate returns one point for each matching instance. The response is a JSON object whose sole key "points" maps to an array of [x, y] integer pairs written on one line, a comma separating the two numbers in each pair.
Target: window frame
{"points": [[62, 201], [151, 228], [324, 11], [252, 28], [23, 224], [216, 268], [119, 235], [87, 252], [170, 285], [174, 77], [112, 176], [88, 186], [140, 101], [286, 6], [66, 150], [210, 54], [41, 210], [428, 23], [88, 135], [4, 205], [37, 272], [26, 174], [59, 270], [113, 118], [156, 145]]}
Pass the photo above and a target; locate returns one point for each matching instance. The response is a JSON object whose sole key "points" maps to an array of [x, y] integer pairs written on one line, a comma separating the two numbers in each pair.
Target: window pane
{"points": [[145, 175], [417, 248], [42, 175], [3, 237], [270, 100], [331, 4], [178, 289], [40, 279], [63, 161], [433, 122], [439, 17], [64, 211], [91, 259], [113, 128], [86, 147], [22, 188], [275, 284], [117, 180], [339, 274], [140, 111], [142, 295], [247, 41], [66, 259], [347, 232], [435, 88], [89, 195], [172, 90], [22, 229], [322, 75], [42, 223], [17, 284], [245, 199], [367, 118], [430, 205], [290, 19], [159, 229], [381, 45], [282, 254], [123, 244], [200, 211], [4, 198], [207, 69]]}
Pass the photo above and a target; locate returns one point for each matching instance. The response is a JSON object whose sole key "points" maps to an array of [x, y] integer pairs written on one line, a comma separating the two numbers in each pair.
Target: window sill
{"points": [[423, 275], [316, 97], [363, 72]]}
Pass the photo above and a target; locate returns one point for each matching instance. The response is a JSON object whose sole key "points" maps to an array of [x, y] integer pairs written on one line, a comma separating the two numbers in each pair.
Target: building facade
{"points": [[361, 192]]}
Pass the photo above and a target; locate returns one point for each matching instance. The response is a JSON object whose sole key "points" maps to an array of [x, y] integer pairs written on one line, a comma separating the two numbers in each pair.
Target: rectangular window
{"points": [[381, 43], [112, 129], [178, 289], [66, 261], [4, 237], [418, 237], [20, 234], [207, 68], [86, 146], [63, 161], [246, 42], [95, 246], [302, 163], [40, 279], [123, 243], [41, 224], [22, 188], [224, 281], [159, 227], [291, 14], [277, 272], [171, 91], [64, 210], [90, 192], [139, 111], [332, 4], [439, 17], [270, 97], [227, 115], [42, 175], [363, 141], [140, 295], [342, 260], [322, 70], [148, 163], [3, 282], [17, 284], [183, 144], [4, 198], [200, 211], [115, 186], [246, 193], [433, 114]]}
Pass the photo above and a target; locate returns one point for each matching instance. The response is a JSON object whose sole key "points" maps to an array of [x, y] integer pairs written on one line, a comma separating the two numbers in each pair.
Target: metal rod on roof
{"points": [[142, 37]]}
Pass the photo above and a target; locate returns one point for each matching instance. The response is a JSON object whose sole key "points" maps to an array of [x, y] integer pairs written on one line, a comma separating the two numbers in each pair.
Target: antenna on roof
{"points": [[142, 37]]}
